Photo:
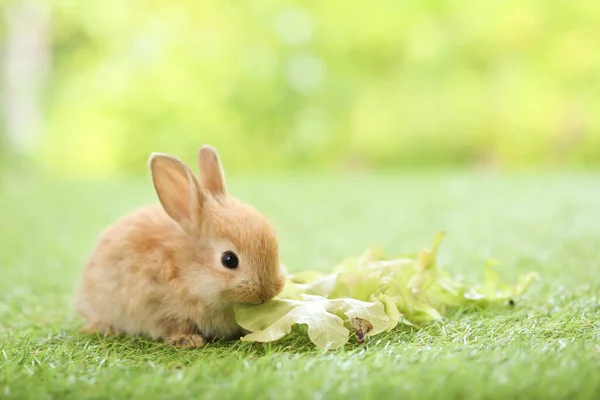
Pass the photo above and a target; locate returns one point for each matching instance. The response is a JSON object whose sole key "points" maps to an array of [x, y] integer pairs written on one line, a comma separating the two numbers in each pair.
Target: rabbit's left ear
{"points": [[177, 189], [212, 176]]}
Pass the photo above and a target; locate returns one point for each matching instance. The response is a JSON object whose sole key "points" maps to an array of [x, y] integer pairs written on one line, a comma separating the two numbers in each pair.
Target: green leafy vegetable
{"points": [[327, 319], [369, 295]]}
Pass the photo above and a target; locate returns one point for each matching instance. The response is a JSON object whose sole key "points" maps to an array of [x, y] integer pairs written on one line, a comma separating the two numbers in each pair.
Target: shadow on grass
{"points": [[139, 348], [136, 350], [136, 346]]}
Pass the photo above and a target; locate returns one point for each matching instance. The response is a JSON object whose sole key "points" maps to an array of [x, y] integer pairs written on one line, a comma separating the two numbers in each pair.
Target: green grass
{"points": [[547, 346]]}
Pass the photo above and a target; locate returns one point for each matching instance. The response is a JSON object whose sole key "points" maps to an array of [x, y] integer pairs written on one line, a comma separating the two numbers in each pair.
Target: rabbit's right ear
{"points": [[212, 175], [177, 189]]}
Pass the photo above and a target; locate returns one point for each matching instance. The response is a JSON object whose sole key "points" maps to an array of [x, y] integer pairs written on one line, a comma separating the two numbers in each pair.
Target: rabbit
{"points": [[175, 271]]}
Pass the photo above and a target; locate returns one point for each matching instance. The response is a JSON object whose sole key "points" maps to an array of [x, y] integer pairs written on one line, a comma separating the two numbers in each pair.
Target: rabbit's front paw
{"points": [[99, 328], [188, 341]]}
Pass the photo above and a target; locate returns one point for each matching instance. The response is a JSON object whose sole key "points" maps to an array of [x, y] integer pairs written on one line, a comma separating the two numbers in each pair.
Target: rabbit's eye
{"points": [[230, 260]]}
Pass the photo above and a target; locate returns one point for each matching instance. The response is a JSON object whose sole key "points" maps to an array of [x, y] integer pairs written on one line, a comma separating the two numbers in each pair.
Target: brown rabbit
{"points": [[176, 272]]}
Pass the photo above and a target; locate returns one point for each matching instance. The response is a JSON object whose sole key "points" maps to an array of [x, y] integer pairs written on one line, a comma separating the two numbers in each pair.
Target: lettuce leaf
{"points": [[328, 320], [369, 295]]}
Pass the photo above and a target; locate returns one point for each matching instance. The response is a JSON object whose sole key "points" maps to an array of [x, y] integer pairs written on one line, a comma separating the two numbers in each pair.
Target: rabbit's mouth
{"points": [[251, 294], [252, 298]]}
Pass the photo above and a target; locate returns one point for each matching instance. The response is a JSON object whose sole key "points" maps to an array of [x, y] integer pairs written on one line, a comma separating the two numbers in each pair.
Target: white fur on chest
{"points": [[217, 322]]}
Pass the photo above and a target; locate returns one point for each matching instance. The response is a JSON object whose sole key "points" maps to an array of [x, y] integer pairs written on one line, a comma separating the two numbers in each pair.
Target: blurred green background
{"points": [[91, 88]]}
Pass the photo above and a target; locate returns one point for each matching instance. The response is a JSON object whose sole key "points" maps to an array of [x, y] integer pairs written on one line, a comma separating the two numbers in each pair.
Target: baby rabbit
{"points": [[175, 272]]}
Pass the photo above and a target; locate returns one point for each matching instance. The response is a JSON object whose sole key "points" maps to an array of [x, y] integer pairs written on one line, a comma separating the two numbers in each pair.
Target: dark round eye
{"points": [[230, 260]]}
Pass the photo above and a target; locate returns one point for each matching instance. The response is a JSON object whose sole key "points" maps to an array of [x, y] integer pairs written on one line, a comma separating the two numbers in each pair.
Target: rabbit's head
{"points": [[232, 250]]}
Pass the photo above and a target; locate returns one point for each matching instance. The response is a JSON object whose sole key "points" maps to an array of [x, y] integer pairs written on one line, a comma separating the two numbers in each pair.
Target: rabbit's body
{"points": [[160, 270], [140, 273]]}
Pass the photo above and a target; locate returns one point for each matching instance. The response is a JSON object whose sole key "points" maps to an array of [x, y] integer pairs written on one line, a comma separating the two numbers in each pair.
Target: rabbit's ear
{"points": [[212, 176], [177, 189]]}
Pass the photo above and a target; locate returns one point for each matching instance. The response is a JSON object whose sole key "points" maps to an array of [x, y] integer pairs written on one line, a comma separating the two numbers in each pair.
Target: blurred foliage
{"points": [[324, 83]]}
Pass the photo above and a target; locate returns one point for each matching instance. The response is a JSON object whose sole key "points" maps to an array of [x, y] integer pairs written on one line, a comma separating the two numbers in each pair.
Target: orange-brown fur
{"points": [[157, 271]]}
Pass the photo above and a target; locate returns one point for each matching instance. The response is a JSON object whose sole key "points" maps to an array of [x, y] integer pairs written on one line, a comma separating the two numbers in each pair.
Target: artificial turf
{"points": [[546, 346]]}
